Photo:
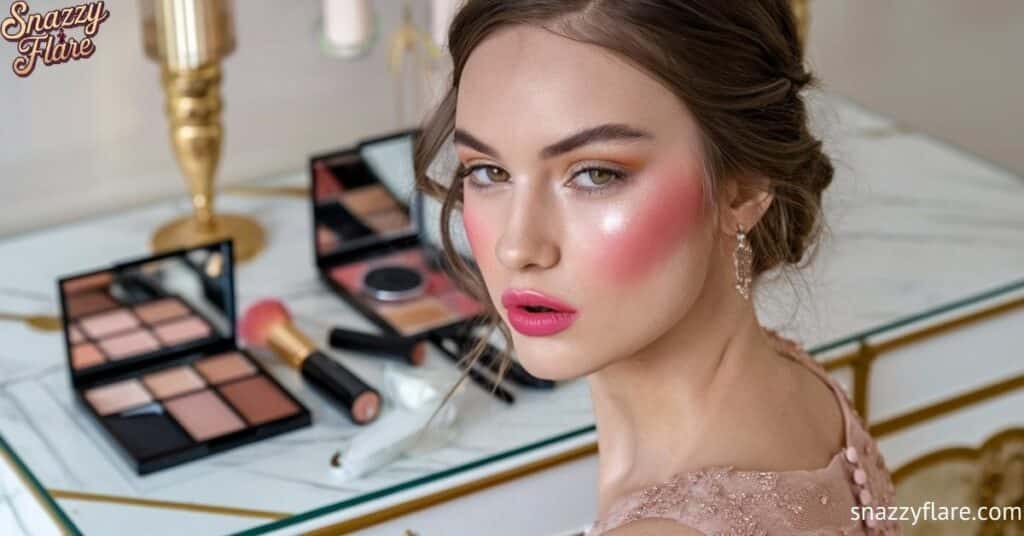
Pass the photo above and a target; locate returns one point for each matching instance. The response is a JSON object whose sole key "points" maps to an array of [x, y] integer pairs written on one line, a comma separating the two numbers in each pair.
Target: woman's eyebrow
{"points": [[605, 132]]}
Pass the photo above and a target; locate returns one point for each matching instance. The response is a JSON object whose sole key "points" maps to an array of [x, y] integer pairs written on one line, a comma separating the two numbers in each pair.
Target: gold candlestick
{"points": [[189, 38], [409, 39], [803, 19]]}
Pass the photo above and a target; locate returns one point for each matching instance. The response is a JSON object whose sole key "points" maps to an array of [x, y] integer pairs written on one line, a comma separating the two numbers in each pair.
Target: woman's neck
{"points": [[653, 408]]}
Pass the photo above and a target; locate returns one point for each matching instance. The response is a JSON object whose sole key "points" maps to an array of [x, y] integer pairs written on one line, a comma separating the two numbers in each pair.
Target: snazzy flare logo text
{"points": [[42, 35]]}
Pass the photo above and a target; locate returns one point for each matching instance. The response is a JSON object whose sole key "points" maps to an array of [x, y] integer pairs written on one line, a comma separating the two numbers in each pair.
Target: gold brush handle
{"points": [[37, 322], [268, 191]]}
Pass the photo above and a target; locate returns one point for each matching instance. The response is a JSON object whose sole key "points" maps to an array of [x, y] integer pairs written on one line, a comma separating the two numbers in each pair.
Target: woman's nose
{"points": [[528, 240]]}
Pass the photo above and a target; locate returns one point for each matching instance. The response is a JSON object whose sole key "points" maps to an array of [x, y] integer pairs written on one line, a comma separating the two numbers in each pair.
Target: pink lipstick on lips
{"points": [[536, 314]]}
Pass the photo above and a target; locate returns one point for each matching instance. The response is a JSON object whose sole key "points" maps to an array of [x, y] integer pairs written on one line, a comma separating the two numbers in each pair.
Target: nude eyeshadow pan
{"points": [[116, 397], [172, 382], [225, 367], [85, 355], [103, 324], [139, 341], [182, 330], [258, 400], [204, 415], [160, 310]]}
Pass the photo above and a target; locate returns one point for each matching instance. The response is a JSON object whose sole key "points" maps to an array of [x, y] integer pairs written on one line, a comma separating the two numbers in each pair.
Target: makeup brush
{"points": [[36, 322], [267, 324], [485, 382], [491, 358], [410, 351]]}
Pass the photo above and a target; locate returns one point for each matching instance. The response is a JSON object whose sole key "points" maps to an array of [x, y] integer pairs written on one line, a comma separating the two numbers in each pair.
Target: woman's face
{"points": [[610, 224]]}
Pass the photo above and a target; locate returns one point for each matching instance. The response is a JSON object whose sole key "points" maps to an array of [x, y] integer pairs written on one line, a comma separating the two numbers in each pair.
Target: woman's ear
{"points": [[745, 200]]}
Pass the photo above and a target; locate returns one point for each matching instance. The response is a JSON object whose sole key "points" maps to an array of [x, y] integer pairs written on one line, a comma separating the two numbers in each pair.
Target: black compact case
{"points": [[369, 248], [153, 357]]}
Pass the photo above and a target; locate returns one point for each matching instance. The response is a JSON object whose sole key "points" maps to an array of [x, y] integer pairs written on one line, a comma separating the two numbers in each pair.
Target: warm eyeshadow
{"points": [[367, 199], [88, 303], [349, 276], [117, 397], [103, 324], [325, 183], [130, 344], [89, 282], [85, 355], [173, 382], [203, 415], [387, 221], [160, 310], [258, 400], [326, 240], [74, 334], [225, 367], [184, 330], [417, 315]]}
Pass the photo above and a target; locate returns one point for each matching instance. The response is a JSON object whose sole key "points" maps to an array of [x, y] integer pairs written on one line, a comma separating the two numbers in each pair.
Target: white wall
{"points": [[950, 68], [87, 137]]}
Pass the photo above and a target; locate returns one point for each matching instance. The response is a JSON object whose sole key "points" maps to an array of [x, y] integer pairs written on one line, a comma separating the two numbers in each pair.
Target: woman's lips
{"points": [[536, 314]]}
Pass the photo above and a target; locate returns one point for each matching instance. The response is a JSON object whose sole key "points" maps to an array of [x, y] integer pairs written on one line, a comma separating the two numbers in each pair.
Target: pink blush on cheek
{"points": [[476, 232], [636, 238]]}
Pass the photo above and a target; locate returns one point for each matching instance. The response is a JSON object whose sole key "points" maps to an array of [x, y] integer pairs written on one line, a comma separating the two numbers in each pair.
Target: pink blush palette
{"points": [[439, 304]]}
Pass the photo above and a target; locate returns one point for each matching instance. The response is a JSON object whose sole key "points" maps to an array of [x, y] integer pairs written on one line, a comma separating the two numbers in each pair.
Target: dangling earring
{"points": [[742, 260]]}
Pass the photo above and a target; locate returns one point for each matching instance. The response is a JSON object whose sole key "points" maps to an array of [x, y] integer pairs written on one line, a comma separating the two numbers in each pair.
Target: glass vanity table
{"points": [[905, 240]]}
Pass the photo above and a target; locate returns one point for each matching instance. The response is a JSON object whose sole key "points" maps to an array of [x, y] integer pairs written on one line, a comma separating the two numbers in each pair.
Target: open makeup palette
{"points": [[152, 353], [369, 246]]}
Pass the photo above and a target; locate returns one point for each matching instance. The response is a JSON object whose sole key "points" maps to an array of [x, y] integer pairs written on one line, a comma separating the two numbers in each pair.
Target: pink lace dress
{"points": [[726, 501]]}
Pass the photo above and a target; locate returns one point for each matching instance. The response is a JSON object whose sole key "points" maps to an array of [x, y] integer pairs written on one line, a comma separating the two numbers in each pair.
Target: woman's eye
{"points": [[596, 177], [485, 175], [592, 180]]}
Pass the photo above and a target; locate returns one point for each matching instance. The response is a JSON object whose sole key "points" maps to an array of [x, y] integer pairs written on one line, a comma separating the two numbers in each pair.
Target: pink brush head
{"points": [[260, 318]]}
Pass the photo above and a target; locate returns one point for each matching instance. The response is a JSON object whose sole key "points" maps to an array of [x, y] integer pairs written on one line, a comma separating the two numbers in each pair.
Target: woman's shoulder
{"points": [[724, 498]]}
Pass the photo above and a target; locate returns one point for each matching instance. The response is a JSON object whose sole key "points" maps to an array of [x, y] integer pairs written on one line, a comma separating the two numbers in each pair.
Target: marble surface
{"points": [[913, 223]]}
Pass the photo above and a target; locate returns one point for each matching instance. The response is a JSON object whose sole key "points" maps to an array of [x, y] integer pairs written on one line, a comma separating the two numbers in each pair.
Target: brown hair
{"points": [[736, 64]]}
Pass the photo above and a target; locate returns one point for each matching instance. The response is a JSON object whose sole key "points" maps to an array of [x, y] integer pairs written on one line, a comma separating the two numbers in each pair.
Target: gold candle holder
{"points": [[189, 38], [803, 19]]}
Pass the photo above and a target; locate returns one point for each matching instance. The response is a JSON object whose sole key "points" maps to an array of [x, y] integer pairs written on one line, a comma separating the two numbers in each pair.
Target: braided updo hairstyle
{"points": [[737, 65]]}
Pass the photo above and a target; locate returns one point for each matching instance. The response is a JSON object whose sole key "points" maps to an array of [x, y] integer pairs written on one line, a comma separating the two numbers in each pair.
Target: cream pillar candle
{"points": [[441, 14], [348, 24]]}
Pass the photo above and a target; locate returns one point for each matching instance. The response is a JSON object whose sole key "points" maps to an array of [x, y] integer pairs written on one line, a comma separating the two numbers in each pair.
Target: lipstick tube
{"points": [[359, 400]]}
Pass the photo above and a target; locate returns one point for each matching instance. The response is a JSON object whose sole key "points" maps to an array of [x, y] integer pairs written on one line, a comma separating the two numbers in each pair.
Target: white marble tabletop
{"points": [[914, 223]]}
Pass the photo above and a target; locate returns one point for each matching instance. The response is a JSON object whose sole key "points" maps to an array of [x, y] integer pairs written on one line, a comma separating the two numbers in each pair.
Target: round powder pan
{"points": [[391, 283]]}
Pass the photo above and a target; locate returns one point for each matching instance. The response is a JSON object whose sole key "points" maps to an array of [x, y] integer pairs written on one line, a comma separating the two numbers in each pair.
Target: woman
{"points": [[626, 172]]}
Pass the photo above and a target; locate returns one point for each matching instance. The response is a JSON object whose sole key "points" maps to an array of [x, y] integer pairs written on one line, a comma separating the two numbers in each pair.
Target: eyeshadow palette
{"points": [[153, 357], [368, 245]]}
